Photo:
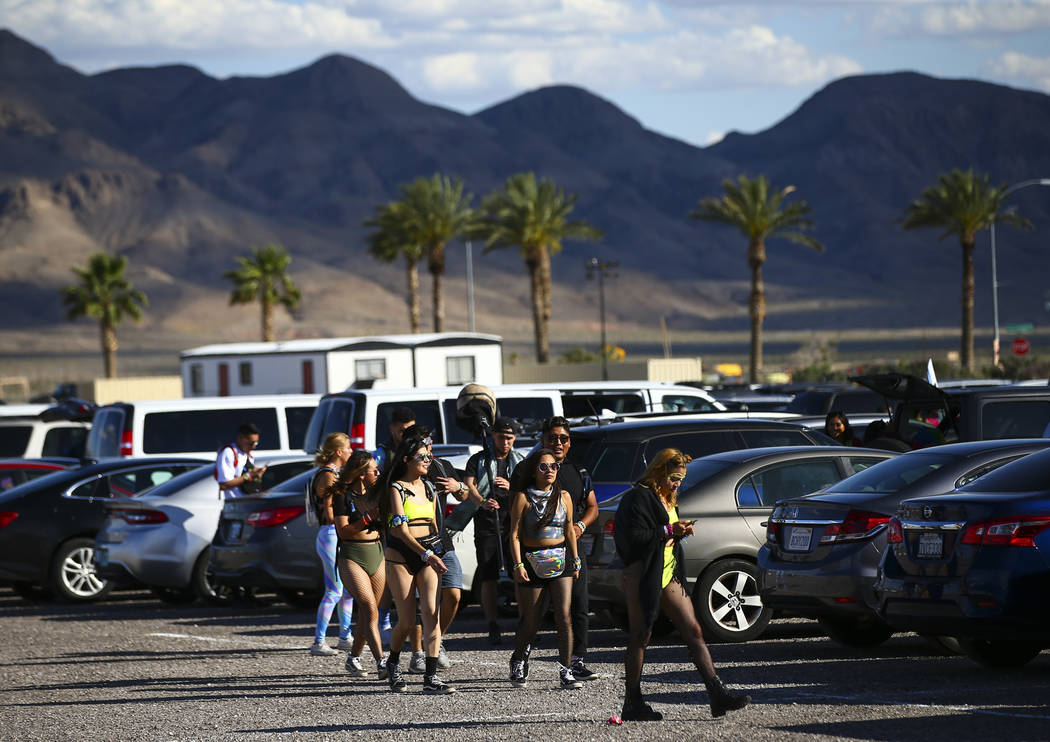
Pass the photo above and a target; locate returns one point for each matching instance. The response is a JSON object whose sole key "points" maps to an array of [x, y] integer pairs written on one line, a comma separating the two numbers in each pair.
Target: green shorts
{"points": [[366, 554]]}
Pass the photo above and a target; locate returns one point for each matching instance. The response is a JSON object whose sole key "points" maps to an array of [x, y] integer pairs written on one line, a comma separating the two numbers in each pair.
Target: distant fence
{"points": [[135, 389], [650, 369]]}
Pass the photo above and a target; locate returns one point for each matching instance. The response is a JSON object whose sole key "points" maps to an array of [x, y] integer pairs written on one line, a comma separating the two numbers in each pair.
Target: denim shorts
{"points": [[454, 576]]}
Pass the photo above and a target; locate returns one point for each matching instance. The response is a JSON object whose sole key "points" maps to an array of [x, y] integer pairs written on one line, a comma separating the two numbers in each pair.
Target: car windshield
{"points": [[893, 475], [1029, 474]]}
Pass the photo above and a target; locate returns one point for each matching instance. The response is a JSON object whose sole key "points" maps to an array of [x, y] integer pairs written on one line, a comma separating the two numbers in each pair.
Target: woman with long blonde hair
{"points": [[648, 535], [334, 452]]}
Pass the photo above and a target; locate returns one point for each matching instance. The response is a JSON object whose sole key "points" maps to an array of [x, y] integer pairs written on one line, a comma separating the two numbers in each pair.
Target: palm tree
{"points": [[962, 203], [264, 276], [390, 241], [533, 216], [103, 293], [436, 211], [750, 206]]}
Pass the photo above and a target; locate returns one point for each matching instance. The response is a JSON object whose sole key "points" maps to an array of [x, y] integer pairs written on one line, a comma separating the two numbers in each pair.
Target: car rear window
{"points": [[297, 420], [106, 429], [14, 439], [425, 411], [206, 430], [582, 405], [693, 442], [765, 438], [808, 403], [1030, 474], [65, 441], [1015, 419], [528, 411], [895, 474]]}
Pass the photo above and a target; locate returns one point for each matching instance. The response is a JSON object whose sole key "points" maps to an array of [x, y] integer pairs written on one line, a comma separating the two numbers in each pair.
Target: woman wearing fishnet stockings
{"points": [[543, 547], [648, 532]]}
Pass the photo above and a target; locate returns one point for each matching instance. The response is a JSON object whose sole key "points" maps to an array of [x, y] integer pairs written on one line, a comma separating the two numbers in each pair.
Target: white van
{"points": [[199, 426], [364, 414], [32, 438], [590, 398]]}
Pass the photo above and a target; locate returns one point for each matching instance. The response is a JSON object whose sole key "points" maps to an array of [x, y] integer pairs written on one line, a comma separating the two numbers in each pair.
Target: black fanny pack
{"points": [[432, 543]]}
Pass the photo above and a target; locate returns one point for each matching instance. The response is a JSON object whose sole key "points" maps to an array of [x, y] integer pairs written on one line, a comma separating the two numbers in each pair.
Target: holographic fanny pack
{"points": [[547, 563]]}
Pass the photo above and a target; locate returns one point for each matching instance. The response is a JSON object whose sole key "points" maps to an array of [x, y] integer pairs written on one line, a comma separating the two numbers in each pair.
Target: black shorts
{"points": [[486, 547], [534, 579]]}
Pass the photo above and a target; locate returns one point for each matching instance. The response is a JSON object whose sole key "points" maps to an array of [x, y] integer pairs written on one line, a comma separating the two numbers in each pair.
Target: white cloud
{"points": [[964, 17], [1023, 69]]}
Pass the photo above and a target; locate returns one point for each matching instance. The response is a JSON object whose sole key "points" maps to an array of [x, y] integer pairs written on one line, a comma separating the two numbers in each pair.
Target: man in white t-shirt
{"points": [[234, 458]]}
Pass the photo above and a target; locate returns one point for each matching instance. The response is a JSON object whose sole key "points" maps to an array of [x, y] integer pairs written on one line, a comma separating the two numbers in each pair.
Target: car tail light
{"points": [[858, 524], [126, 443], [1014, 531], [894, 532], [139, 517], [275, 516], [449, 507], [7, 517], [609, 529], [357, 436]]}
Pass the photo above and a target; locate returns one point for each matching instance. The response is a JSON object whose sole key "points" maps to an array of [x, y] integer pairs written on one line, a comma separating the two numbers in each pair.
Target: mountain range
{"points": [[182, 172]]}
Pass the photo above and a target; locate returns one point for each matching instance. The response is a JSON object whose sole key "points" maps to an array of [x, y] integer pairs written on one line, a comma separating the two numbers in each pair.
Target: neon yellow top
{"points": [[414, 510], [672, 518]]}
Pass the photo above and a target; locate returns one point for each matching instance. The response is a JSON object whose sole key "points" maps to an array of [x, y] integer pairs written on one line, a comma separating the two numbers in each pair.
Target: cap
{"points": [[505, 425]]}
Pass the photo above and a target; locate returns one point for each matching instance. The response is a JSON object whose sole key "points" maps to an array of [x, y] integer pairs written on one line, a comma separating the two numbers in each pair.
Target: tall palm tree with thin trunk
{"points": [[388, 242], [760, 213], [264, 277], [436, 211], [103, 293], [534, 217], [962, 203]]}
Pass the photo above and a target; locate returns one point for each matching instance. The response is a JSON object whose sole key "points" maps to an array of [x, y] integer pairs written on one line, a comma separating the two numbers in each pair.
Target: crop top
{"points": [[530, 526], [415, 511]]}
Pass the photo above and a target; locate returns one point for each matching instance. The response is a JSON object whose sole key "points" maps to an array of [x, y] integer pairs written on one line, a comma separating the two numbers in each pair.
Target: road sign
{"points": [[1024, 327], [1020, 346]]}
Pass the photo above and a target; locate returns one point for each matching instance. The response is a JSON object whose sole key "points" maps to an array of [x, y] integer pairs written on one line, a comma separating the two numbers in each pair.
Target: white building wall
{"points": [[270, 374], [432, 364], [342, 367]]}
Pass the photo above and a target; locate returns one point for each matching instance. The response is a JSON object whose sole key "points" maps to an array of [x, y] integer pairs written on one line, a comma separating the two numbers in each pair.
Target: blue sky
{"points": [[687, 68]]}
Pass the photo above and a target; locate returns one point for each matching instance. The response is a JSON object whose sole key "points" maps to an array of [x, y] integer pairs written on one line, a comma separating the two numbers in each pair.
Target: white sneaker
{"points": [[322, 650], [443, 661], [346, 645], [354, 667], [418, 664]]}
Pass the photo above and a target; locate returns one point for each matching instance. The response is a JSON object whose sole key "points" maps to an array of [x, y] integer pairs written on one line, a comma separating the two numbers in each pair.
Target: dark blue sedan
{"points": [[975, 563]]}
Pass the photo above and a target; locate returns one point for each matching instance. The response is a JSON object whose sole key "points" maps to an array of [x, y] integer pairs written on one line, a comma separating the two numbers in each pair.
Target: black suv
{"points": [[820, 400], [616, 454]]}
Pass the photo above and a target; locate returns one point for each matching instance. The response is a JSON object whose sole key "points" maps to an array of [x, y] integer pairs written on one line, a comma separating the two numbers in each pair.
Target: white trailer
{"points": [[324, 365]]}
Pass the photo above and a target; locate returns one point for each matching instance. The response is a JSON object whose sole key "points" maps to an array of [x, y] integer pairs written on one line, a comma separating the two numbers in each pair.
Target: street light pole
{"points": [[995, 273], [602, 269]]}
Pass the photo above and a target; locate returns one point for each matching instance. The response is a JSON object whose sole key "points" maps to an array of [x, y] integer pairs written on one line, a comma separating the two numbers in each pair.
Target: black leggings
{"points": [[530, 610]]}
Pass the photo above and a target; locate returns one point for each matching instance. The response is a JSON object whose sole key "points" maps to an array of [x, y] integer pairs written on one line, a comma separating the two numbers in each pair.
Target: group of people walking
{"points": [[384, 533]]}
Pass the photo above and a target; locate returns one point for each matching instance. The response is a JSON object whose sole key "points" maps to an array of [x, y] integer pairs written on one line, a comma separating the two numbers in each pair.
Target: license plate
{"points": [[234, 530], [931, 545], [587, 545], [799, 539]]}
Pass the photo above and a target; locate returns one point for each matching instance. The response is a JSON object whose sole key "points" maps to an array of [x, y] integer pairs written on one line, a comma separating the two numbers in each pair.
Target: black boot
{"points": [[722, 700], [636, 709]]}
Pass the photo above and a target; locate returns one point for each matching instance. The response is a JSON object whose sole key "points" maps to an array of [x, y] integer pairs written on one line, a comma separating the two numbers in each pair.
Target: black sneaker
{"points": [[640, 712], [435, 686], [517, 674], [568, 682], [581, 672], [525, 661], [395, 678]]}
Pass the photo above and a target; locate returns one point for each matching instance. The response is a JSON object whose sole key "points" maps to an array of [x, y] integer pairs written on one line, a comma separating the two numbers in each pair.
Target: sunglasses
{"points": [[549, 467], [558, 438], [423, 457], [675, 477]]}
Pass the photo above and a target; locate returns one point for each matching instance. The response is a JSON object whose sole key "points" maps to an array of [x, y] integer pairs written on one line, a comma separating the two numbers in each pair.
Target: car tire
{"points": [[856, 632], [1000, 653], [728, 604], [174, 595], [74, 576], [203, 585]]}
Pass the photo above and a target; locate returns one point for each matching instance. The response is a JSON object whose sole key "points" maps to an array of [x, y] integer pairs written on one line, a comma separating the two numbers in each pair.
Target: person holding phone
{"points": [[648, 535]]}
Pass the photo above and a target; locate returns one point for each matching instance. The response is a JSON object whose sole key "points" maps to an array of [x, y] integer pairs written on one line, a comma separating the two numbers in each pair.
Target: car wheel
{"points": [[203, 585], [997, 653], [947, 645], [727, 602], [174, 595], [301, 598], [74, 576], [856, 632]]}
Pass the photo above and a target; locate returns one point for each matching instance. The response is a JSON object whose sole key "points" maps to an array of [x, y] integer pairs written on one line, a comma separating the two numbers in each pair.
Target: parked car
{"points": [[729, 495], [162, 538], [14, 472], [48, 525], [822, 399], [616, 454], [926, 415], [822, 551], [975, 563], [263, 541]]}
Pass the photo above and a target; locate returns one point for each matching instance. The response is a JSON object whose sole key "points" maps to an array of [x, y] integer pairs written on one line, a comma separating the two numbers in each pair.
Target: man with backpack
{"points": [[235, 468]]}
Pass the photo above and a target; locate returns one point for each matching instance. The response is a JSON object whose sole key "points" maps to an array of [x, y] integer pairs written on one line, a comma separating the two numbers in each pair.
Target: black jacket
{"points": [[640, 537]]}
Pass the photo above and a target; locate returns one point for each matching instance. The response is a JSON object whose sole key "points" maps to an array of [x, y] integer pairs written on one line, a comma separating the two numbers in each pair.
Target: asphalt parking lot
{"points": [[132, 668]]}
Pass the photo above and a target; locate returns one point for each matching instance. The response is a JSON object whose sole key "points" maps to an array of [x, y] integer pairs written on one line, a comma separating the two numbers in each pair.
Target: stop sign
{"points": [[1020, 346]]}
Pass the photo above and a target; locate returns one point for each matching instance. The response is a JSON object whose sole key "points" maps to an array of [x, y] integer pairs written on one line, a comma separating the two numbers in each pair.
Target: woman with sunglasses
{"points": [[361, 567], [543, 549], [647, 533], [413, 561]]}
